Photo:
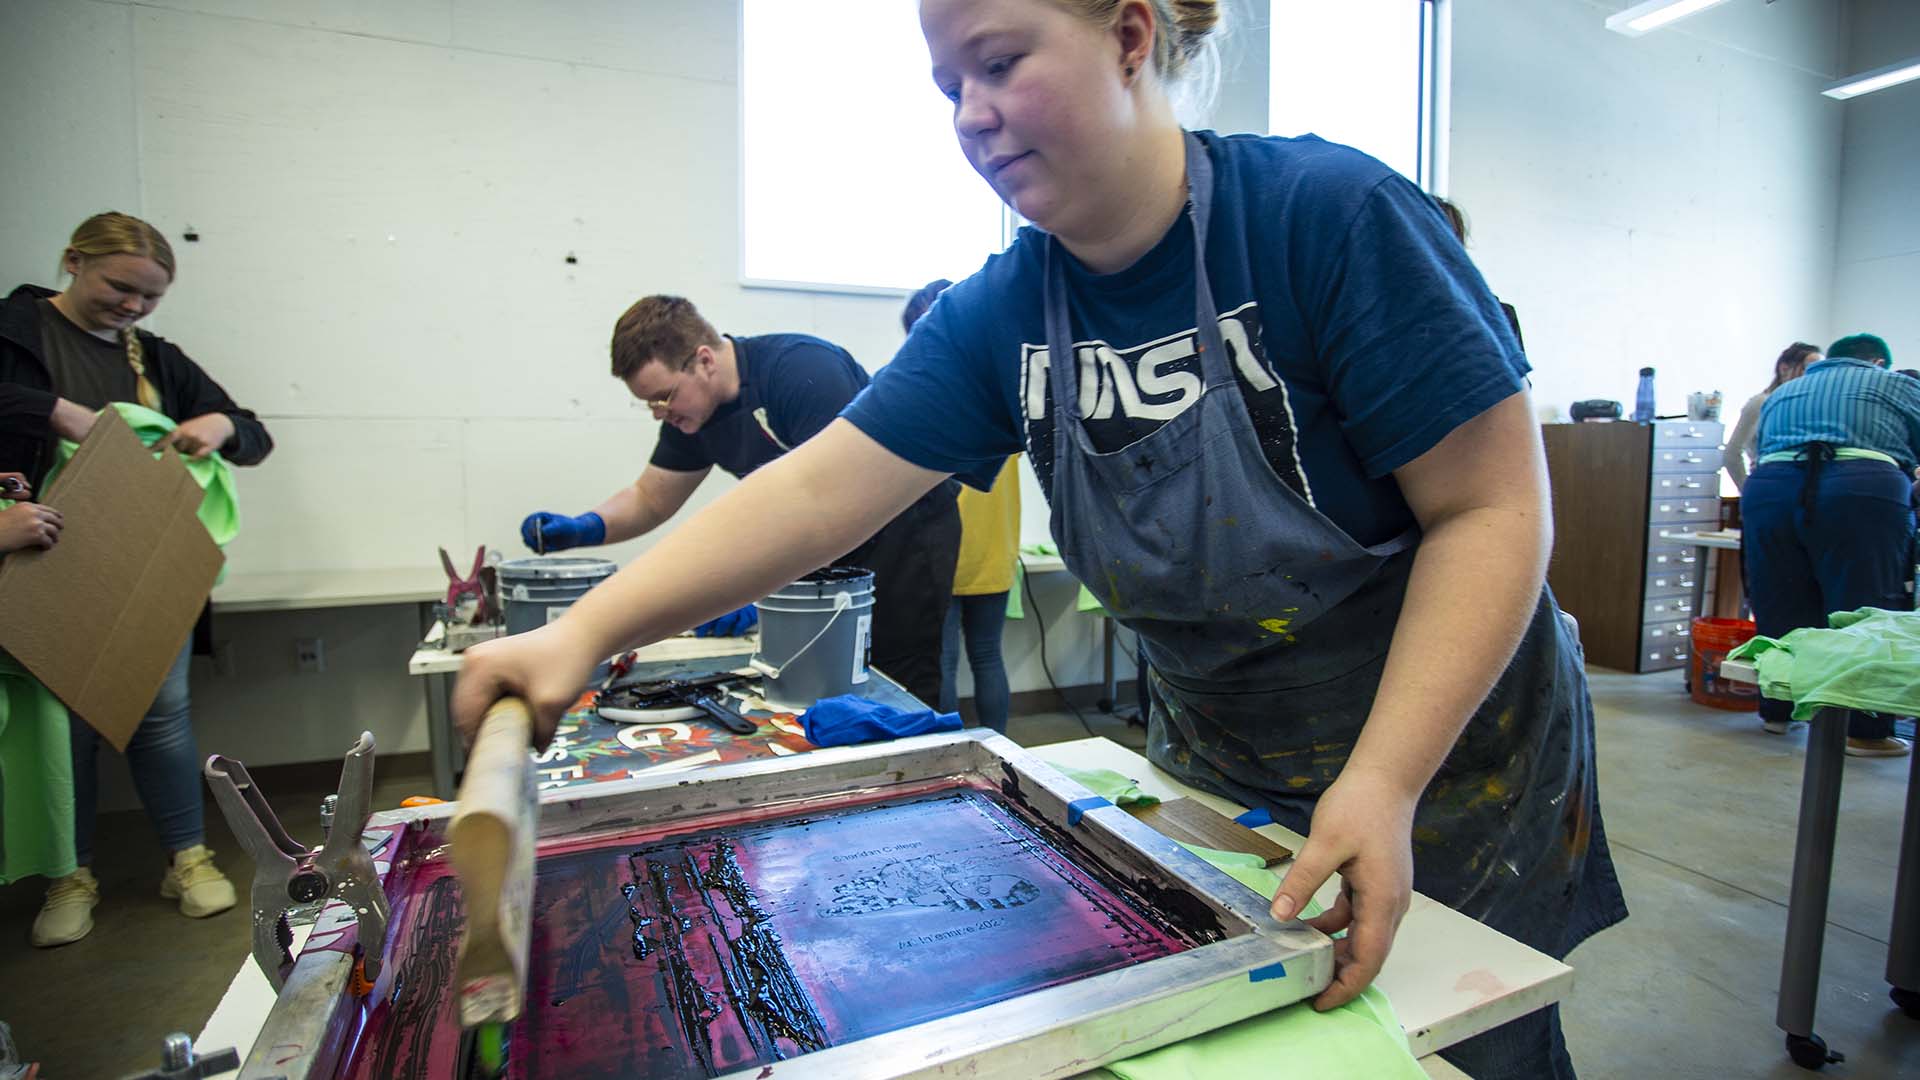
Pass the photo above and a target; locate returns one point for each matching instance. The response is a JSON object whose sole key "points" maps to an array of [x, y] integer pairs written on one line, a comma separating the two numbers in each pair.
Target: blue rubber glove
{"points": [[730, 625], [545, 532]]}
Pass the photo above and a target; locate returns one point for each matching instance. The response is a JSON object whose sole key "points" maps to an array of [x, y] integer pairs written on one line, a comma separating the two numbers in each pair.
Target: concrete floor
{"points": [[1700, 806]]}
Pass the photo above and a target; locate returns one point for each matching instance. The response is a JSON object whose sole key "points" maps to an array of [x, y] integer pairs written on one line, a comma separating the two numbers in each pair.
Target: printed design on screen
{"points": [[932, 881], [1127, 393], [735, 946]]}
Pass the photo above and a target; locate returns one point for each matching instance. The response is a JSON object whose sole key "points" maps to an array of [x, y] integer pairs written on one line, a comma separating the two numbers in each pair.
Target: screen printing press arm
{"points": [[290, 878]]}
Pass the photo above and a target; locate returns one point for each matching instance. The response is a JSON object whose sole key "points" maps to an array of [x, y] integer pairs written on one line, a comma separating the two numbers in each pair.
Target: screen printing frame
{"points": [[1064, 1030]]}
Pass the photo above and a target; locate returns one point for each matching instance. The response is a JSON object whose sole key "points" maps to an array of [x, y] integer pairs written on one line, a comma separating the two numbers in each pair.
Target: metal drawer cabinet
{"points": [[1687, 433]]}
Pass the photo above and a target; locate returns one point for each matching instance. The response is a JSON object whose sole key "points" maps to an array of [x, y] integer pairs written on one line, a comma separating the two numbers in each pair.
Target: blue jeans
{"points": [[983, 618], [1854, 550], [166, 769]]}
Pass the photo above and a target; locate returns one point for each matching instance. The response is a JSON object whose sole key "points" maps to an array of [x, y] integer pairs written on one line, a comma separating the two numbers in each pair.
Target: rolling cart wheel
{"points": [[1810, 1052], [1908, 1000]]}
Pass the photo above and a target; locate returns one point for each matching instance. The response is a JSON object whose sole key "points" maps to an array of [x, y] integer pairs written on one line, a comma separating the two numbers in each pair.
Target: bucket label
{"points": [[555, 612], [861, 634]]}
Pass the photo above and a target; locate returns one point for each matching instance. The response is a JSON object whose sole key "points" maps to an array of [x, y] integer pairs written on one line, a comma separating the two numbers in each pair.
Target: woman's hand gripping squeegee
{"points": [[490, 842]]}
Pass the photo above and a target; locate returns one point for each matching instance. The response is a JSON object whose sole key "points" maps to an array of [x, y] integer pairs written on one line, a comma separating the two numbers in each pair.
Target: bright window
{"points": [[1353, 72], [852, 177]]}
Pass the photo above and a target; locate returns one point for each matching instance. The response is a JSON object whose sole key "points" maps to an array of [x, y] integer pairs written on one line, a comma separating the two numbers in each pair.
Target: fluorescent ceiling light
{"points": [[1878, 79], [1654, 14]]}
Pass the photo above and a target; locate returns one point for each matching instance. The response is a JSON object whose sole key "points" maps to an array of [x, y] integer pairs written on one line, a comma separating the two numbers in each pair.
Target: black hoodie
{"points": [[27, 397]]}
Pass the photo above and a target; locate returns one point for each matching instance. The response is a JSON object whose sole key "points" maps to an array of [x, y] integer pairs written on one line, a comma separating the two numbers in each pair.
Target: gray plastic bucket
{"points": [[537, 591], [816, 636]]}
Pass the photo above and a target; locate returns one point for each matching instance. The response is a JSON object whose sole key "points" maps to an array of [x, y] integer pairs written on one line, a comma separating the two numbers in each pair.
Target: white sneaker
{"points": [[1775, 727], [67, 914], [1888, 747], [199, 885]]}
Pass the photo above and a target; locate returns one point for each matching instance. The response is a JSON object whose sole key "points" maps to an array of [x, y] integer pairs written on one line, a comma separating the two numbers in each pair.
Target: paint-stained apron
{"points": [[1266, 628]]}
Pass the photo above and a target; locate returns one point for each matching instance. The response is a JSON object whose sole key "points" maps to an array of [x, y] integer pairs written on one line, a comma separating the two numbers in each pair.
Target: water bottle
{"points": [[1643, 398]]}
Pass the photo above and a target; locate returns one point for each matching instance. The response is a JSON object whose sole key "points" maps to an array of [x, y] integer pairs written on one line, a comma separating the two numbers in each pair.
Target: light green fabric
{"points": [[36, 779], [1869, 660], [219, 511], [1114, 787], [219, 508], [1014, 610], [1362, 1039], [1840, 453]]}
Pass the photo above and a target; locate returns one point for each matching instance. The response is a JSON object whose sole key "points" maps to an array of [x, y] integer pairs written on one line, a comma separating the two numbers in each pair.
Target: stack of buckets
{"points": [[1713, 639]]}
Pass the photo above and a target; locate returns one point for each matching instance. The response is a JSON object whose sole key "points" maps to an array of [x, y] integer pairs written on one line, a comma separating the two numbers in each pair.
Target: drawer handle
{"points": [[1688, 560], [1689, 509]]}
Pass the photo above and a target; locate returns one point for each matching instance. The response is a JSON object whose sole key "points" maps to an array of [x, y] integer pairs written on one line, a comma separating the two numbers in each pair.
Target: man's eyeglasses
{"points": [[665, 404]]}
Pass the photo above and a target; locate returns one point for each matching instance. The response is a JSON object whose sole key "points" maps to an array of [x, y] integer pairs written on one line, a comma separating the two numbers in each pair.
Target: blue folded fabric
{"points": [[845, 720]]}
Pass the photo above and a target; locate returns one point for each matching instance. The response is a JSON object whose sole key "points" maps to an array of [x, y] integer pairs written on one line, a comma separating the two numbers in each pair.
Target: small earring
{"points": [[1129, 71]]}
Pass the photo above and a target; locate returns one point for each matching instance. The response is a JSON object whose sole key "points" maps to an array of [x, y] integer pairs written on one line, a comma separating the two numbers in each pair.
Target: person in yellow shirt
{"points": [[989, 547]]}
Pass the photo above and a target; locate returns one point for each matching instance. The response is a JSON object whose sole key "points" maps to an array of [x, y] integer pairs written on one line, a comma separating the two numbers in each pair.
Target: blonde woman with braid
{"points": [[63, 357]]}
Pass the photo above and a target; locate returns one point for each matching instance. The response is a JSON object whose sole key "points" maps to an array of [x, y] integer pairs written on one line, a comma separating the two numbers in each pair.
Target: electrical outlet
{"points": [[310, 654]]}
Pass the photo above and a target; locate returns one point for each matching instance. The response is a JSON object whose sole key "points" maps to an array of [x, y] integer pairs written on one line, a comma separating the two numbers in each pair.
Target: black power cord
{"points": [[1026, 587]]}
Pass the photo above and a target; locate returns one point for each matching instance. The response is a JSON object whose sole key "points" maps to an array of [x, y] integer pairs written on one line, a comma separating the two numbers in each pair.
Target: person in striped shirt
{"points": [[1826, 515]]}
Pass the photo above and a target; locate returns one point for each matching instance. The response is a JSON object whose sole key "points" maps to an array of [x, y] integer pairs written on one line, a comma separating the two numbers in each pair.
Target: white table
{"points": [[1109, 646], [1449, 978], [1715, 539], [242, 593]]}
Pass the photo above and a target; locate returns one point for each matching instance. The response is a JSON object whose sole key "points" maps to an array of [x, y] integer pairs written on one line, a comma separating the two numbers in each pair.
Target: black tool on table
{"points": [[705, 694]]}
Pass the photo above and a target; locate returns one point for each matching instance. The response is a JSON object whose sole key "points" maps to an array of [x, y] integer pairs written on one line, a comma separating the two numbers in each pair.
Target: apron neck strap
{"points": [[1063, 365]]}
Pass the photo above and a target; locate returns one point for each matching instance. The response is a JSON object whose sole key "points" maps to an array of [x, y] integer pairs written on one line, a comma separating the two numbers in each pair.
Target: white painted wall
{"points": [[1666, 201], [386, 195], [1877, 279]]}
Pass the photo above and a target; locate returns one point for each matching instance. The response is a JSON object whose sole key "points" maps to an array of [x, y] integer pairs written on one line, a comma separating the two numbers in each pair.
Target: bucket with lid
{"points": [[536, 591], [815, 637]]}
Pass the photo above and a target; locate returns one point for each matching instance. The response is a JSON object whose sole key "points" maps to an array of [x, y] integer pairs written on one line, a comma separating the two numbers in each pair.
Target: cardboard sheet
{"points": [[100, 618]]}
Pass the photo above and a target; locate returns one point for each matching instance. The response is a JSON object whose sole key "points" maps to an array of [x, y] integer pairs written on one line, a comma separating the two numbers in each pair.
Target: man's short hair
{"points": [[663, 328], [1868, 347]]}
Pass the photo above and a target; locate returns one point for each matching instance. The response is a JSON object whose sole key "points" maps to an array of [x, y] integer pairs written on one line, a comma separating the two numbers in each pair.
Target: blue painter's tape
{"points": [[1079, 807], [1271, 971], [1255, 818]]}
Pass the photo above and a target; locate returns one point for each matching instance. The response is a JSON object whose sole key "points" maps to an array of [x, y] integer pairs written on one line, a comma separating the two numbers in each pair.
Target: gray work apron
{"points": [[1266, 630]]}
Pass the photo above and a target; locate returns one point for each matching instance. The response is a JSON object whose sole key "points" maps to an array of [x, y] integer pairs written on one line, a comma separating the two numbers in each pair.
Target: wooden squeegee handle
{"points": [[491, 840]]}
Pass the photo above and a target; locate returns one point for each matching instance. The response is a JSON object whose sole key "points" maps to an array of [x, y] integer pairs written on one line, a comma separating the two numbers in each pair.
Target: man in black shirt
{"points": [[739, 403]]}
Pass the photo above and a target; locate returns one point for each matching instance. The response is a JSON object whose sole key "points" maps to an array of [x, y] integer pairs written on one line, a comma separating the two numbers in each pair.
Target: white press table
{"points": [[1449, 977]]}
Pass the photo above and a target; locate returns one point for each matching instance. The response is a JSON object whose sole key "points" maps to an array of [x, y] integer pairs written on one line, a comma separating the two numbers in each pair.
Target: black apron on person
{"points": [[1266, 628]]}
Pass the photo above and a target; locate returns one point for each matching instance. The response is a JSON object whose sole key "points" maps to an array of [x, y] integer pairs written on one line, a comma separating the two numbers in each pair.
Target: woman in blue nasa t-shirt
{"points": [[1287, 440]]}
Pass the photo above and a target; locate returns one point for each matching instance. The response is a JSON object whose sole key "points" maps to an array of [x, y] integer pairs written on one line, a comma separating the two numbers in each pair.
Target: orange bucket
{"points": [[1713, 639]]}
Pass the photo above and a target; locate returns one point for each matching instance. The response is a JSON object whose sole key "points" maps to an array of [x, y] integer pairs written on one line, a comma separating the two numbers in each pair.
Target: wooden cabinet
{"points": [[1621, 492]]}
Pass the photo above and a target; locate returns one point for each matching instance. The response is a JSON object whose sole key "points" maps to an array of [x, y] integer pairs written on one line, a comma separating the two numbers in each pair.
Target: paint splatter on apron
{"points": [[1266, 627]]}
